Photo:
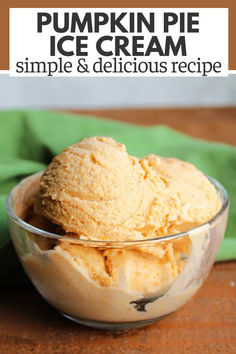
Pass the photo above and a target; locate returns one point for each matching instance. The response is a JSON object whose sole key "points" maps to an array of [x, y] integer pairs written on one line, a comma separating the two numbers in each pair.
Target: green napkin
{"points": [[29, 140]]}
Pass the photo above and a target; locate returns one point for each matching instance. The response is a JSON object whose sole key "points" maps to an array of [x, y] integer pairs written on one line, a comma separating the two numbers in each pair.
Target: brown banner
{"points": [[4, 16]]}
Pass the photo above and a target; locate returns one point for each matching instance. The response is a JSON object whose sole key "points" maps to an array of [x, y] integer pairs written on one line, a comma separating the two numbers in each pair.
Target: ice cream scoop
{"points": [[95, 190]]}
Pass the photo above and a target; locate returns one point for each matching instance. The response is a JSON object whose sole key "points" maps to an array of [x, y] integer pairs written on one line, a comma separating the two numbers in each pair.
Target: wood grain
{"points": [[216, 124], [207, 324]]}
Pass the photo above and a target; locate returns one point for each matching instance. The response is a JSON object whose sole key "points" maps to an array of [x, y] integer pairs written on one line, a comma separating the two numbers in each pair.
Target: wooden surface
{"points": [[207, 324], [207, 123]]}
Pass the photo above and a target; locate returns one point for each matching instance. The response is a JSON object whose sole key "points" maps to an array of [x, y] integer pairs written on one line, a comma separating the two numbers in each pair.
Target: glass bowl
{"points": [[114, 285]]}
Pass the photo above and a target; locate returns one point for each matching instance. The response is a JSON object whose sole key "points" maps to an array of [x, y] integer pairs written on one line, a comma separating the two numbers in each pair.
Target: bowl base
{"points": [[113, 325]]}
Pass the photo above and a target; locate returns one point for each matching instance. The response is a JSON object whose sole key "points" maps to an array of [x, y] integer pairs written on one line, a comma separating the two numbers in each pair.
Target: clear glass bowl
{"points": [[114, 285]]}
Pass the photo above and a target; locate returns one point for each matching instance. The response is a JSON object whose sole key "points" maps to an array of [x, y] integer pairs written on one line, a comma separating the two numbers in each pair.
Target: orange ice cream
{"points": [[95, 190]]}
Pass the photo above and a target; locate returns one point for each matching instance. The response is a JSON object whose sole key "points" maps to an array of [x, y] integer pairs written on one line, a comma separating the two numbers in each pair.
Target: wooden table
{"points": [[207, 324]]}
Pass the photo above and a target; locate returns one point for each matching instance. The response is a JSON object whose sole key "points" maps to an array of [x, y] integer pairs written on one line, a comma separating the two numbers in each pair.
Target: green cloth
{"points": [[29, 140]]}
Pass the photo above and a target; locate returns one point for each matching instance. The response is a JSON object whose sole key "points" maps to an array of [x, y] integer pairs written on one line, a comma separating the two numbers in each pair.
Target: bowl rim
{"points": [[98, 243]]}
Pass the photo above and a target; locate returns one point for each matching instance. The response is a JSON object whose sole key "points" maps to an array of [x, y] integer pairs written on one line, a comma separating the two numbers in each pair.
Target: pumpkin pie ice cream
{"points": [[95, 190], [100, 197]]}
